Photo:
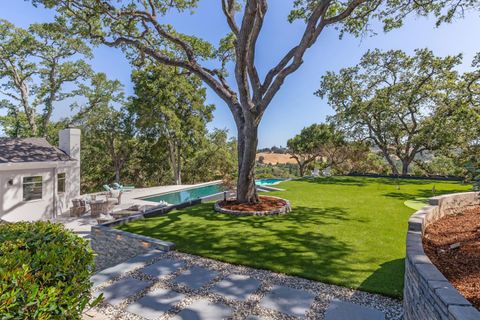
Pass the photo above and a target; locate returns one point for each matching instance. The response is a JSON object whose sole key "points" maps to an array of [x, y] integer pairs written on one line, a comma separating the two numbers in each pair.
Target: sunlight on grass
{"points": [[348, 231]]}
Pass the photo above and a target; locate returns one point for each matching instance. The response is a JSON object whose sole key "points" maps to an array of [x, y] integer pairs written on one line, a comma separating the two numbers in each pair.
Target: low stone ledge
{"points": [[113, 246], [427, 293], [282, 210]]}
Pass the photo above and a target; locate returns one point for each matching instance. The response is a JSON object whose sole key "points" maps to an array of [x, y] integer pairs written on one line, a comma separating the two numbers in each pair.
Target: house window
{"points": [[61, 182], [32, 188]]}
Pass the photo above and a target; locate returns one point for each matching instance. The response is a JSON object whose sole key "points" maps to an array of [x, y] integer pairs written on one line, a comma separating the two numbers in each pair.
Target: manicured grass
{"points": [[348, 231]]}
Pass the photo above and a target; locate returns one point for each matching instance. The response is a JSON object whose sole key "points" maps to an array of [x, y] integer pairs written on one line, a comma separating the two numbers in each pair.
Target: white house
{"points": [[37, 180]]}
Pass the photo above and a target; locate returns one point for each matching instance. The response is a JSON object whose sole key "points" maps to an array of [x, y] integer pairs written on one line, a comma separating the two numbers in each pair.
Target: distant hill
{"points": [[274, 158]]}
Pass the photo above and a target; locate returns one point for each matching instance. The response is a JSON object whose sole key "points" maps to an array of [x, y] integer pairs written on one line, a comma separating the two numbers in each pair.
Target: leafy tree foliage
{"points": [[35, 66], [108, 134], [403, 104], [312, 143], [169, 109], [139, 27]]}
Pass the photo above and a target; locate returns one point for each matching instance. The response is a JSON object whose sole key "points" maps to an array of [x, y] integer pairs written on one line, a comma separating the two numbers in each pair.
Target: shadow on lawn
{"points": [[389, 275], [278, 243]]}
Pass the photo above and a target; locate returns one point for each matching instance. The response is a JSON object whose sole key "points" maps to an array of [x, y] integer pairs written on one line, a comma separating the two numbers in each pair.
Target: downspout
{"points": [[55, 174]]}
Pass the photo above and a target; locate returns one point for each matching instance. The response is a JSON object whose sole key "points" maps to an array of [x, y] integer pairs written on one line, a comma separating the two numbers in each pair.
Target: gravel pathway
{"points": [[321, 294]]}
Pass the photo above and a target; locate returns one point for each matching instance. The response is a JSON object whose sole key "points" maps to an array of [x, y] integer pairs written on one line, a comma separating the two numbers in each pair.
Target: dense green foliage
{"points": [[44, 272], [405, 105], [36, 67], [343, 230], [170, 111]]}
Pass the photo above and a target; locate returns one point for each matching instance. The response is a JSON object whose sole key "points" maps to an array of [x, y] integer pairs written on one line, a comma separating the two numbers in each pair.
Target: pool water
{"points": [[268, 182], [181, 196]]}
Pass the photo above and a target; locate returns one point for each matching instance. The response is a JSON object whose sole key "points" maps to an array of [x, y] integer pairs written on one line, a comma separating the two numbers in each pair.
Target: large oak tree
{"points": [[36, 66], [139, 27], [403, 104]]}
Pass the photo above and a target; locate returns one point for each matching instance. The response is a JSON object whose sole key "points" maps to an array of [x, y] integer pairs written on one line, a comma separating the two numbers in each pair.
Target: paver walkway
{"points": [[173, 285]]}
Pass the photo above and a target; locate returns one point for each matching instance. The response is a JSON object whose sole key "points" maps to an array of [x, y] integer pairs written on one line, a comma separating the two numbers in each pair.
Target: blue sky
{"points": [[295, 106]]}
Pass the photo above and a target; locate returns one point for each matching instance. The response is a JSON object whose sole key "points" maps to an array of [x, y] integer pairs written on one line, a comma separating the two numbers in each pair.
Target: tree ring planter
{"points": [[283, 206]]}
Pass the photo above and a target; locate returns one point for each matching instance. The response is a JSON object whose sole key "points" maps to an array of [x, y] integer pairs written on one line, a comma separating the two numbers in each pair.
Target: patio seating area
{"points": [[101, 207]]}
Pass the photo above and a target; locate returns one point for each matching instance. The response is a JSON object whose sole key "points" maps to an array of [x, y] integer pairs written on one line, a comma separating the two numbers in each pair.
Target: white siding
{"points": [[12, 206]]}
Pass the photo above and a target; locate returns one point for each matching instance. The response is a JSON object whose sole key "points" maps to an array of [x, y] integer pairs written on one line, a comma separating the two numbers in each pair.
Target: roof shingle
{"points": [[16, 150]]}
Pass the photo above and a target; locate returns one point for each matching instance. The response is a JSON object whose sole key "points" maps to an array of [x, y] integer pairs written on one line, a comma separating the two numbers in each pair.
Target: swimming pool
{"points": [[186, 195], [269, 182]]}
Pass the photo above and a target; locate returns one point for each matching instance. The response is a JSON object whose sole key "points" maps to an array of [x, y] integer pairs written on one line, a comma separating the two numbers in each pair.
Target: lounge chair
{"points": [[118, 186]]}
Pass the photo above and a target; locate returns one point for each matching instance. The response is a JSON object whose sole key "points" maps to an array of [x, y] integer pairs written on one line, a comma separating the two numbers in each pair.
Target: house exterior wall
{"points": [[12, 206]]}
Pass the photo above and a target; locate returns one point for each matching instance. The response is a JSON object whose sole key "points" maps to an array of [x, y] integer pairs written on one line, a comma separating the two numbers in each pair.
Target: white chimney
{"points": [[69, 142]]}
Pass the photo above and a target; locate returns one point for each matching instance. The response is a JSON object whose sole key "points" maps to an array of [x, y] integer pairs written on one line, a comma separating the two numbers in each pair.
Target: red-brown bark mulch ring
{"points": [[453, 245], [268, 205]]}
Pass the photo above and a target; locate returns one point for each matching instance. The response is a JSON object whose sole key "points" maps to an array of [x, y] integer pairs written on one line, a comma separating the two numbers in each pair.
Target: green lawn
{"points": [[348, 231]]}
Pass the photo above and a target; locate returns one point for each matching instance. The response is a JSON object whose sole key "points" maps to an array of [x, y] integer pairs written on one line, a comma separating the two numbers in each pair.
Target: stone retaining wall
{"points": [[113, 246], [427, 293]]}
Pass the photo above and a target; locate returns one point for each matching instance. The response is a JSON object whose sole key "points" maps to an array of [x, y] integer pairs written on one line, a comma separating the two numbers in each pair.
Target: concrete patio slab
{"points": [[287, 300], [124, 267], [341, 310], [162, 268], [204, 310], [122, 289], [154, 304], [195, 277], [237, 287]]}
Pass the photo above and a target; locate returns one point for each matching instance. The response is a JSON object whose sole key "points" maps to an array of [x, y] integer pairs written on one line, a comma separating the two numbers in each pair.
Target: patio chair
{"points": [[118, 186], [315, 172], [115, 197], [107, 188]]}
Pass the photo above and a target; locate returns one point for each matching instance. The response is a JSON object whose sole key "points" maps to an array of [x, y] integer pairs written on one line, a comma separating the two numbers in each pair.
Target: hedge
{"points": [[44, 272]]}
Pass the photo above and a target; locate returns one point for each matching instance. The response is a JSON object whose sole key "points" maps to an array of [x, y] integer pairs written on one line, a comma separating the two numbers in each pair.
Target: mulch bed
{"points": [[265, 204], [461, 266]]}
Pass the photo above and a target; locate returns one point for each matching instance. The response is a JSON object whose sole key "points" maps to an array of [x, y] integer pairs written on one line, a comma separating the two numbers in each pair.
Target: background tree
{"points": [[402, 104], [108, 134], [137, 27], [215, 160], [35, 67], [311, 144], [169, 108]]}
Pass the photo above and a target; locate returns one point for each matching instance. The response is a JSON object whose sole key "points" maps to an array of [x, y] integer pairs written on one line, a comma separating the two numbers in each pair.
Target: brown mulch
{"points": [[461, 266], [265, 204]]}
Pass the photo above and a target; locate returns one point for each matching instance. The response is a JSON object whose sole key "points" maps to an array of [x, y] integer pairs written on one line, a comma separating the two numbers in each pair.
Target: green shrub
{"points": [[44, 272]]}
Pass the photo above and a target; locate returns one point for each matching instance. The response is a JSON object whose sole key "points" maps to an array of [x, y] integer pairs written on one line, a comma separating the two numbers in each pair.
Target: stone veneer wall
{"points": [[427, 293], [113, 246]]}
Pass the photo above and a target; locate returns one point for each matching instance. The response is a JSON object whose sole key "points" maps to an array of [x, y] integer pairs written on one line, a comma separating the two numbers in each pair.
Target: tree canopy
{"points": [[139, 27], [403, 104], [35, 66], [169, 108]]}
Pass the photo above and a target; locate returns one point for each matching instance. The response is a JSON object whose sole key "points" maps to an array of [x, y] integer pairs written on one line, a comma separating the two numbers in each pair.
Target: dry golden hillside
{"points": [[275, 158]]}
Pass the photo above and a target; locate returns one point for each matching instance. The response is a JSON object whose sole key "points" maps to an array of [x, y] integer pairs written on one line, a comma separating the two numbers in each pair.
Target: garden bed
{"points": [[453, 245], [267, 206]]}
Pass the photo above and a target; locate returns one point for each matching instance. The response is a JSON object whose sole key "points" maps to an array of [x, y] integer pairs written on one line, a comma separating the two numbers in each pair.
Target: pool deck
{"points": [[82, 225]]}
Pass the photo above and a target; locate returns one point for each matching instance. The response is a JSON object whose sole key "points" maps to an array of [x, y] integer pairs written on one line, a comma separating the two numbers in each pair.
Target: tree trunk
{"points": [[117, 174], [405, 165], [247, 149], [301, 168]]}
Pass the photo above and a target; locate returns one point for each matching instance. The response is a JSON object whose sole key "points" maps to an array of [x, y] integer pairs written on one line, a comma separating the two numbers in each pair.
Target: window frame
{"points": [[34, 185], [64, 179]]}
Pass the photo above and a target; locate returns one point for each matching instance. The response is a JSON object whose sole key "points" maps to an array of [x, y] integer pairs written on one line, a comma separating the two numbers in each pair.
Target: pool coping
{"points": [[199, 185]]}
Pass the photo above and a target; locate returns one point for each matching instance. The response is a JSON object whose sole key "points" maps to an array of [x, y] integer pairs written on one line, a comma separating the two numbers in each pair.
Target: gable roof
{"points": [[16, 150]]}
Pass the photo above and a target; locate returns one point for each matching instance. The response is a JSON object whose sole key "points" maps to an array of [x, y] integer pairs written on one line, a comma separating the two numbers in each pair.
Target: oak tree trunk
{"points": [[301, 167], [247, 149], [405, 165]]}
